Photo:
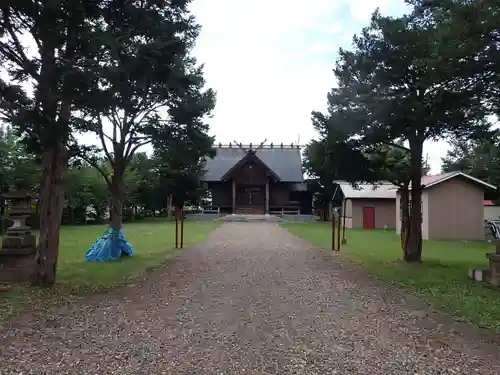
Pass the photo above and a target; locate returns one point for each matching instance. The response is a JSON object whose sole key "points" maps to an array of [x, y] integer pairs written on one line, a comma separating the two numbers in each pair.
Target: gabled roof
{"points": [[297, 186], [284, 161], [429, 181], [250, 156], [381, 190], [387, 190]]}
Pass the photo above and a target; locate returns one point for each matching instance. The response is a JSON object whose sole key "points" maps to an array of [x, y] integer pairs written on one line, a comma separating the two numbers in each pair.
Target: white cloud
{"points": [[321, 47], [362, 10], [271, 62], [254, 53]]}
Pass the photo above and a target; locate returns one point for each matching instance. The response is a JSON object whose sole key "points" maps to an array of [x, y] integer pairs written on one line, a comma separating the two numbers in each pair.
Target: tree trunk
{"points": [[169, 207], [2, 204], [2, 212], [117, 196], [54, 166], [405, 214], [98, 214], [72, 215], [413, 245]]}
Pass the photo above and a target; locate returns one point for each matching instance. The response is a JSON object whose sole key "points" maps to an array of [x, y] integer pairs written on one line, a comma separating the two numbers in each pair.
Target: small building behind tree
{"points": [[369, 206], [452, 207], [243, 179]]}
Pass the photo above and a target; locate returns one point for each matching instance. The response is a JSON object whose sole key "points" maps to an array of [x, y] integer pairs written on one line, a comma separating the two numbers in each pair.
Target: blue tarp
{"points": [[110, 246]]}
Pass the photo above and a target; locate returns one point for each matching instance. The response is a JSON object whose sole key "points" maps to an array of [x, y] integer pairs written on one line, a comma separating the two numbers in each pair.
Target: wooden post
{"points": [[267, 196], [182, 227], [169, 207], [333, 232], [344, 241], [176, 230], [338, 232], [234, 196]]}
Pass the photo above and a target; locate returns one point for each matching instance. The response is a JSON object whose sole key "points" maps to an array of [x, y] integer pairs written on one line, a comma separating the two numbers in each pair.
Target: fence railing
{"points": [[281, 211], [219, 210], [211, 210]]}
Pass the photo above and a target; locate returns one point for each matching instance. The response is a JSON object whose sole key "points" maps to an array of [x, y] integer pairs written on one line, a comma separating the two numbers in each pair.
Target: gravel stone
{"points": [[250, 299]]}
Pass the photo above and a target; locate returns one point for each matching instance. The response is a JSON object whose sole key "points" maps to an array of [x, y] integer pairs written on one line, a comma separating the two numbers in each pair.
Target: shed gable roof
{"points": [[382, 190], [285, 162], [429, 181]]}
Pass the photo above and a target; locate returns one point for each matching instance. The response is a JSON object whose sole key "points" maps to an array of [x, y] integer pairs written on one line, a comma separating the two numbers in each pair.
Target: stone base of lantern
{"points": [[494, 268], [17, 258], [479, 274], [17, 267], [18, 243]]}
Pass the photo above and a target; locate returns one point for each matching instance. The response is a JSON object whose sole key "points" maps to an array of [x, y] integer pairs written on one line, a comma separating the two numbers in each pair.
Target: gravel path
{"points": [[250, 299]]}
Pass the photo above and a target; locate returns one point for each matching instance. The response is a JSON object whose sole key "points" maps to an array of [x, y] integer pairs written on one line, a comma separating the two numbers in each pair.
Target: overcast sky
{"points": [[271, 62]]}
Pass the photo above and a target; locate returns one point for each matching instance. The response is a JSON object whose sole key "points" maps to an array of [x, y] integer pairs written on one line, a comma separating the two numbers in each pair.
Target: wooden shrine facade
{"points": [[257, 181]]}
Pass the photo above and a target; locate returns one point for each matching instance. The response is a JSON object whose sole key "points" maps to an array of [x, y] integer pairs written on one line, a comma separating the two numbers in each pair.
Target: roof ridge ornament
{"points": [[261, 145], [246, 150]]}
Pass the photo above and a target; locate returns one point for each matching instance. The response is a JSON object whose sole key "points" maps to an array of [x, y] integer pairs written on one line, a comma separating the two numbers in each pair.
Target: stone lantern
{"points": [[492, 273], [494, 266], [18, 251]]}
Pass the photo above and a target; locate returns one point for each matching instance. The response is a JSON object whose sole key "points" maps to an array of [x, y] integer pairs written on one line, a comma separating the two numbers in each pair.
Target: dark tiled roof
{"points": [[298, 186], [285, 162], [250, 156]]}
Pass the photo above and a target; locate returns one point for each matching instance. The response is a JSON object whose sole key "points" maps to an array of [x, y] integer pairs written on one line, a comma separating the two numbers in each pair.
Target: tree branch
{"points": [[11, 54], [96, 165], [141, 105], [103, 137], [396, 145], [23, 60], [124, 130], [115, 127], [115, 119], [147, 112], [131, 150], [396, 182]]}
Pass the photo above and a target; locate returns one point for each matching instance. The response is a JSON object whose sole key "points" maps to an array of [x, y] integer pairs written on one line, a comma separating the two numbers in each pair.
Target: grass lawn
{"points": [[442, 278], [153, 242]]}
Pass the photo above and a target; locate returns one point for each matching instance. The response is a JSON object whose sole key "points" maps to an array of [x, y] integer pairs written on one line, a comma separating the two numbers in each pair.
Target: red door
{"points": [[368, 217]]}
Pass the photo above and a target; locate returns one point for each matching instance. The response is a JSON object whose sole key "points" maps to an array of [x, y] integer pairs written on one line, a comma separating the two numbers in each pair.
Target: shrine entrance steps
{"points": [[250, 218]]}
